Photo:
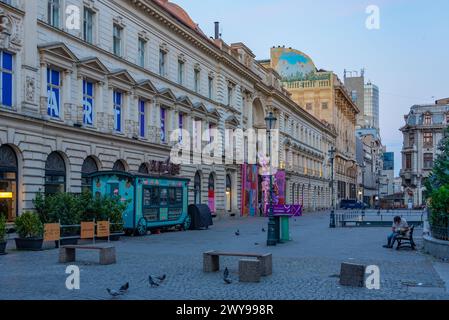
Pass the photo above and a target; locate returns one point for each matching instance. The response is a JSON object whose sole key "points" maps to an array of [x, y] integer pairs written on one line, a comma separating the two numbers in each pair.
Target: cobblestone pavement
{"points": [[304, 268]]}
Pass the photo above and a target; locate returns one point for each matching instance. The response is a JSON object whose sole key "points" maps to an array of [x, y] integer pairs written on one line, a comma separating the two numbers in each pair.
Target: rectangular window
{"points": [[162, 62], [229, 96], [163, 125], [428, 119], [117, 40], [88, 103], [324, 106], [210, 87], [428, 160], [197, 80], [88, 25], [6, 65], [354, 96], [428, 139], [142, 118], [411, 140], [53, 92], [118, 101], [408, 161], [180, 72], [53, 8], [142, 54], [180, 125]]}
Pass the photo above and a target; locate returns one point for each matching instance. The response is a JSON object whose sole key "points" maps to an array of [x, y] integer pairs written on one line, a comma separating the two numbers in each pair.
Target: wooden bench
{"points": [[406, 241], [211, 261], [68, 253]]}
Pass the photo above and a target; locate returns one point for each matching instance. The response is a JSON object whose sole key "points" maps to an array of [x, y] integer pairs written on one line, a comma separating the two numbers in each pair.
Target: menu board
{"points": [[103, 229], [52, 232], [175, 214], [87, 230], [151, 214]]}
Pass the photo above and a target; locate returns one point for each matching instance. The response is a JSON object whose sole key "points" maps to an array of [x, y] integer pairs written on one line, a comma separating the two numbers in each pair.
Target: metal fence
{"points": [[441, 233], [377, 218]]}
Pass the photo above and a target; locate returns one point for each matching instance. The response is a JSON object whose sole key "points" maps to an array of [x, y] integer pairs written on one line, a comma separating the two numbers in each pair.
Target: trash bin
{"points": [[283, 227], [201, 216]]}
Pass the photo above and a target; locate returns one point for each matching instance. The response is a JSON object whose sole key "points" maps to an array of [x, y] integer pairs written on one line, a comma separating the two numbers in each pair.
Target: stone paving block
{"points": [[250, 270], [352, 275]]}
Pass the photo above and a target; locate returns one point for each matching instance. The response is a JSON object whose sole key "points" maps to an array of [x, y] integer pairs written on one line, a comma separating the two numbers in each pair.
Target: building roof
{"points": [[180, 14]]}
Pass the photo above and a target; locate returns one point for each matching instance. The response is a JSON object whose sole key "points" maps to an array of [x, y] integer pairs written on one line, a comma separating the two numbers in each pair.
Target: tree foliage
{"points": [[438, 186]]}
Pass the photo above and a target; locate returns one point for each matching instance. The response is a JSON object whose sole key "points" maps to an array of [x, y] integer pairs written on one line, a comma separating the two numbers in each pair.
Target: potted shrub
{"points": [[30, 229], [65, 208], [2, 234]]}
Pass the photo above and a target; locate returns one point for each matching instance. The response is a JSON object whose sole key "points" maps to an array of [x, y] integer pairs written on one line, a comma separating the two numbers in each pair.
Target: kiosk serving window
{"points": [[162, 203]]}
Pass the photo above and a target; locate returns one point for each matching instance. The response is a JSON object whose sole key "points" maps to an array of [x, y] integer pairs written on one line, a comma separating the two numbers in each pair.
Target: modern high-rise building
{"points": [[371, 109], [365, 96]]}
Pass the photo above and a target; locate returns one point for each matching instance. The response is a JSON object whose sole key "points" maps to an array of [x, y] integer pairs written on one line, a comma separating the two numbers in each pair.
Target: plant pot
{"points": [[2, 248], [29, 244]]}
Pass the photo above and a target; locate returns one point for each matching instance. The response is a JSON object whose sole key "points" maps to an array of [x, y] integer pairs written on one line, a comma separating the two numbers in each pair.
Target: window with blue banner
{"points": [[181, 125], [142, 118], [6, 79], [88, 103], [53, 92], [162, 125], [118, 111]]}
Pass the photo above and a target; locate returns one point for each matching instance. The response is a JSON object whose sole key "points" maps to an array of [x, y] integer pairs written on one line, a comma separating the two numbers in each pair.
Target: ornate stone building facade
{"points": [[423, 131], [108, 93], [323, 95]]}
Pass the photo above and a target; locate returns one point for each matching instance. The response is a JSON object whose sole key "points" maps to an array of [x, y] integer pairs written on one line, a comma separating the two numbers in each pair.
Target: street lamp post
{"points": [[363, 186], [332, 216], [271, 236]]}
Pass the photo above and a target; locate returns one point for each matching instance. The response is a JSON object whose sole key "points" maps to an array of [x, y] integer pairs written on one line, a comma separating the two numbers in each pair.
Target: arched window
{"points": [[8, 182], [197, 188], [228, 193], [119, 166], [211, 192], [89, 166], [55, 174], [144, 169]]}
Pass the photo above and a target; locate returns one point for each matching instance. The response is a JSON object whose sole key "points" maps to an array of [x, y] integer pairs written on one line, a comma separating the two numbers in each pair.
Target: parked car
{"points": [[352, 204]]}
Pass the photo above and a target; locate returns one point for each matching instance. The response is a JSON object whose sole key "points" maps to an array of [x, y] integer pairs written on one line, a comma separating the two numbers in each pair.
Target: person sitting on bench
{"points": [[400, 227]]}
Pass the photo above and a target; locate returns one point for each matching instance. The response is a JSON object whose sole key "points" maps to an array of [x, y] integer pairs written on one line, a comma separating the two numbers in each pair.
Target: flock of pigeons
{"points": [[157, 281], [124, 289]]}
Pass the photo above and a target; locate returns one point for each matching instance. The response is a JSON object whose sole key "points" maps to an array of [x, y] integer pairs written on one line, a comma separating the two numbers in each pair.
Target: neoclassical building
{"points": [[322, 94], [423, 130], [108, 90]]}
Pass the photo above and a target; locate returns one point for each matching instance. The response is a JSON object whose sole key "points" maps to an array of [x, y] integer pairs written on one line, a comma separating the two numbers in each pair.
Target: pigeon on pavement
{"points": [[152, 283], [226, 273], [263, 229], [226, 278], [123, 289], [237, 233], [161, 279]]}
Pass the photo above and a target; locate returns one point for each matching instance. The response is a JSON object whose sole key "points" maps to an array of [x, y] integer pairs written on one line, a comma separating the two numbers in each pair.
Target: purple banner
{"points": [[291, 210]]}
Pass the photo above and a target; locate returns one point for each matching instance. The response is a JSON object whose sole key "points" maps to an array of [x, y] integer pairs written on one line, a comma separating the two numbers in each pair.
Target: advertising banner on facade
{"points": [[249, 190]]}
